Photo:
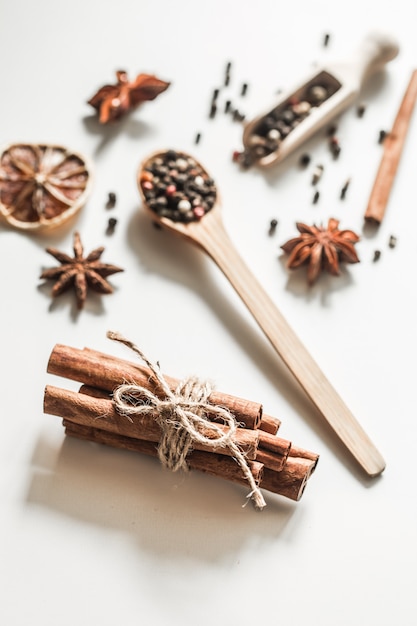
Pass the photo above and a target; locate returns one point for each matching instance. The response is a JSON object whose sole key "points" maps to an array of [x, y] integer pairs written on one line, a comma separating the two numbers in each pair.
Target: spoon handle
{"points": [[217, 244]]}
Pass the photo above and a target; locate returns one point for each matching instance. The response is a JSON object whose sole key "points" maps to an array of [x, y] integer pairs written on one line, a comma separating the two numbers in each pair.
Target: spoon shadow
{"points": [[169, 514], [160, 252]]}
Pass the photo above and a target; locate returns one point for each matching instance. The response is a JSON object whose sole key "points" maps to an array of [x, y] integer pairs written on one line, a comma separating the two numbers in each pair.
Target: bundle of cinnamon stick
{"points": [[90, 413]]}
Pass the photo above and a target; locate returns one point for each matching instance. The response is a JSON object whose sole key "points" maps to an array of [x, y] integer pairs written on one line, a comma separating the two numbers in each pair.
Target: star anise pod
{"points": [[114, 101], [321, 249], [42, 186], [80, 272]]}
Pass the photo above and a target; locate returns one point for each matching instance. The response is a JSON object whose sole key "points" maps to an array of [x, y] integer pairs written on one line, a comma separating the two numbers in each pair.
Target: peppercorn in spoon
{"points": [[180, 195], [322, 95]]}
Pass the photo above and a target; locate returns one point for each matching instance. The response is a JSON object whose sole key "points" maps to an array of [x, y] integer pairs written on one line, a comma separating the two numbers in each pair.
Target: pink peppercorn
{"points": [[170, 190], [198, 211]]}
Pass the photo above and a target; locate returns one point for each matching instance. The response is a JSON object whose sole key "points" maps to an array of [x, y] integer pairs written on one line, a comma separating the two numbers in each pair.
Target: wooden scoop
{"points": [[314, 101], [209, 234]]}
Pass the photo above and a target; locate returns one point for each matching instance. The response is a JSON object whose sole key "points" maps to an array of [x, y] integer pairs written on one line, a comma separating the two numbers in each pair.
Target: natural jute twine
{"points": [[181, 415]]}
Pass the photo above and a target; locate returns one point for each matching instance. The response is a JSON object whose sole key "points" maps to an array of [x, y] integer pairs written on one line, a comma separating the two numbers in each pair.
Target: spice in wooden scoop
{"points": [[176, 186]]}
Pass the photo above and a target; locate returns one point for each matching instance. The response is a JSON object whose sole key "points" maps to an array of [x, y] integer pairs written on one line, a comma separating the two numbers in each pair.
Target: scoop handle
{"points": [[214, 240], [376, 50]]}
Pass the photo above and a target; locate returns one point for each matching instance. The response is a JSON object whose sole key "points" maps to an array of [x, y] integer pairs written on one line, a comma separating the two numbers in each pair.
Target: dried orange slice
{"points": [[42, 186]]}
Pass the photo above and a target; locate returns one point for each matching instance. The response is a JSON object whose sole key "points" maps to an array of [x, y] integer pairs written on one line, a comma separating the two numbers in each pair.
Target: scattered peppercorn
{"points": [[238, 116], [215, 95], [360, 110], [213, 110], [246, 159], [317, 174], [197, 138], [334, 146], [316, 197], [227, 106], [227, 74], [304, 160], [331, 130], [111, 200], [377, 254], [344, 189], [326, 39], [272, 226], [392, 241], [244, 89], [111, 225], [382, 135]]}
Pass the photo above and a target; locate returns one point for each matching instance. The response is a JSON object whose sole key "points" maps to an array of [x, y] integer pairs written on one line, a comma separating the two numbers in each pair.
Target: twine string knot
{"points": [[181, 415]]}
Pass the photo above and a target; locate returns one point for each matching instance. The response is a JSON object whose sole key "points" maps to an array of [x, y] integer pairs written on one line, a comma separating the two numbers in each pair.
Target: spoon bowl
{"points": [[169, 198]]}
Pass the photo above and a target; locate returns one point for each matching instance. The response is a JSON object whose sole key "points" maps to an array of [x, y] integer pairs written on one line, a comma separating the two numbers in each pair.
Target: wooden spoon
{"points": [[209, 234]]}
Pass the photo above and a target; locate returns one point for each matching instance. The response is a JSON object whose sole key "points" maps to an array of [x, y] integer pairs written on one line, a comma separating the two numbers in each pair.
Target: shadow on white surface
{"points": [[106, 133], [323, 289], [170, 515], [94, 304]]}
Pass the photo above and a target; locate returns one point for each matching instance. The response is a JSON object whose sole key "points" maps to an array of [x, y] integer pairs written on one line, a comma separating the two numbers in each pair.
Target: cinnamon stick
{"points": [[208, 462], [291, 481], [269, 424], [107, 372], [100, 413], [301, 453], [392, 149]]}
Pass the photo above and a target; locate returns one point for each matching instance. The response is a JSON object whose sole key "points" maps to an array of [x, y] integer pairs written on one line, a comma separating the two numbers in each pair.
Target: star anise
{"points": [[80, 272], [41, 186], [321, 249], [114, 101]]}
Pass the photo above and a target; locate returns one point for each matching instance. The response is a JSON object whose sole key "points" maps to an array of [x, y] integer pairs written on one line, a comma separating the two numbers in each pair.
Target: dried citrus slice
{"points": [[42, 186]]}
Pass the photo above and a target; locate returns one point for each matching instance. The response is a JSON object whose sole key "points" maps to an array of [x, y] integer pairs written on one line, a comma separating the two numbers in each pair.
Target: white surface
{"points": [[98, 536]]}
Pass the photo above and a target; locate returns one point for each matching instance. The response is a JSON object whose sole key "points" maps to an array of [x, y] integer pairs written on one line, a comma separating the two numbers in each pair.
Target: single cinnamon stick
{"points": [[100, 413], [272, 451], [392, 149], [269, 424], [107, 372], [301, 453], [208, 462], [291, 481]]}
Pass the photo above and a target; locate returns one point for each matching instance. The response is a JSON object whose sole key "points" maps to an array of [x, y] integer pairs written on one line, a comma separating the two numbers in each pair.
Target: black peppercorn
{"points": [[273, 226], [111, 200], [111, 225], [344, 189]]}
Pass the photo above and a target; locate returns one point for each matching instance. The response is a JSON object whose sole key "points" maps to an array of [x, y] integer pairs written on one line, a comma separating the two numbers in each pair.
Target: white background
{"points": [[98, 536]]}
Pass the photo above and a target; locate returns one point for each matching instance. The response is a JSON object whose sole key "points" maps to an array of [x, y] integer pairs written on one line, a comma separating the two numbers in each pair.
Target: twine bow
{"points": [[181, 416]]}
